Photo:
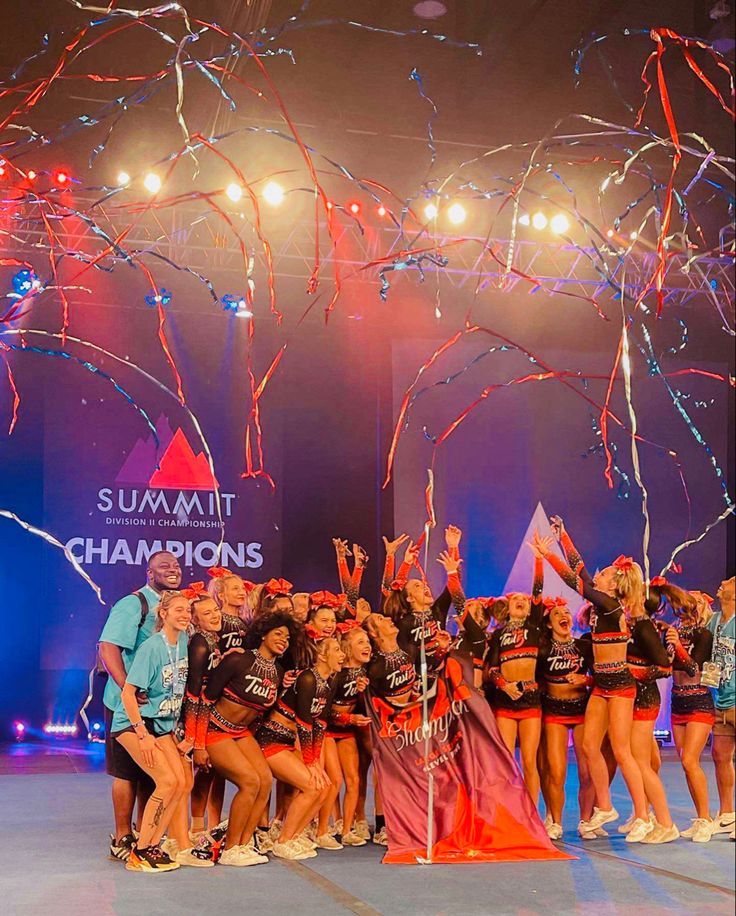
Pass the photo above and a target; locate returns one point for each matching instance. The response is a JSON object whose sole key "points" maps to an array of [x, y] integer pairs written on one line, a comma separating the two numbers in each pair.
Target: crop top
{"points": [[305, 704]]}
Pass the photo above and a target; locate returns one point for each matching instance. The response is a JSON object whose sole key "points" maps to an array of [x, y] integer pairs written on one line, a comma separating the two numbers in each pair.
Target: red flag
{"points": [[482, 811]]}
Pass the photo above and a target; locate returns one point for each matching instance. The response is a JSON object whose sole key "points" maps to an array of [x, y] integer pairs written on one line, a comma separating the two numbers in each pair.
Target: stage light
{"points": [[236, 304], [152, 183], [163, 296], [381, 211], [539, 220], [559, 224], [20, 728], [524, 219], [273, 193], [31, 175], [456, 214], [2, 167], [354, 207], [53, 728], [431, 211], [123, 179], [61, 177], [97, 726], [234, 192], [610, 233], [633, 236]]}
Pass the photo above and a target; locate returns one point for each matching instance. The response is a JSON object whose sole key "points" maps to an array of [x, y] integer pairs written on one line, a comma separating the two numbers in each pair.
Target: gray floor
{"points": [[54, 862]]}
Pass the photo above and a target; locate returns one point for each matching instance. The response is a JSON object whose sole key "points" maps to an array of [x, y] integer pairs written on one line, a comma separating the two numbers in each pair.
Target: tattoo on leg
{"points": [[158, 813]]}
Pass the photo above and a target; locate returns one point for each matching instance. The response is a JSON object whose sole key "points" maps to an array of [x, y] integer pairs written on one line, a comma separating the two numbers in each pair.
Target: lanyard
{"points": [[174, 661]]}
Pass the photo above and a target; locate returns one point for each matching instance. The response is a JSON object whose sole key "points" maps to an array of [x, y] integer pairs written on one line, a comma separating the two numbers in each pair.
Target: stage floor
{"points": [[56, 813]]}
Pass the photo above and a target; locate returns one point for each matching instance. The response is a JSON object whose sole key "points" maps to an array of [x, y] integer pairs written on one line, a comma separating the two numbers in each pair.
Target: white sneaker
{"points": [[264, 840], [336, 828], [292, 850], [250, 850], [380, 838], [275, 830], [554, 831], [662, 834], [234, 856], [547, 820], [724, 823], [352, 838], [362, 829], [627, 825], [701, 830], [601, 817], [639, 829], [170, 847], [328, 842], [196, 856], [306, 841]]}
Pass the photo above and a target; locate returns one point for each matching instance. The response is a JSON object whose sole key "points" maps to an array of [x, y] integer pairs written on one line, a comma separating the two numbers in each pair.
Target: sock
{"points": [[380, 822], [197, 824]]}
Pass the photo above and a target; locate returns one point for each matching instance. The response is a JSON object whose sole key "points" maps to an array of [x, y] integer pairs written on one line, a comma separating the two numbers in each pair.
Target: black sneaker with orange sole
{"points": [[151, 859]]}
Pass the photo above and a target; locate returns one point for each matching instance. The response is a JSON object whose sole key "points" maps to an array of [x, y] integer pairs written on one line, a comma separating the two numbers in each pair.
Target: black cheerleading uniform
{"points": [[555, 662], [246, 679], [648, 660], [610, 679], [303, 704], [204, 656], [513, 641], [392, 676], [418, 626], [345, 700], [232, 634], [692, 702], [472, 639]]}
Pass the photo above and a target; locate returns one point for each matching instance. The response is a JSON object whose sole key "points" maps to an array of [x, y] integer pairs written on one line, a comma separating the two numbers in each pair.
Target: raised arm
{"points": [[701, 649], [453, 593], [389, 567]]}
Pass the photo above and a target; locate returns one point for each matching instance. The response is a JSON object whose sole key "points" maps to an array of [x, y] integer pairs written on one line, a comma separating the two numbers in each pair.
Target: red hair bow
{"points": [[549, 603], [397, 585], [623, 564], [325, 599], [218, 572], [278, 587], [487, 602], [313, 633], [249, 586], [347, 626], [195, 590], [658, 580]]}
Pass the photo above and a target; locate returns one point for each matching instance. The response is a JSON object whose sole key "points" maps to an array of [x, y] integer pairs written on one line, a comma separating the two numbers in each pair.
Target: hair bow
{"points": [[218, 572], [249, 586], [347, 625], [658, 580], [549, 603], [313, 633], [278, 587], [195, 590], [623, 564], [325, 599], [397, 585]]}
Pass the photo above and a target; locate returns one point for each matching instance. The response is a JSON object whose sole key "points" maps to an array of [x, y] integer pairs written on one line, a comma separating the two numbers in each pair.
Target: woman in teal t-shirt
{"points": [[159, 670]]}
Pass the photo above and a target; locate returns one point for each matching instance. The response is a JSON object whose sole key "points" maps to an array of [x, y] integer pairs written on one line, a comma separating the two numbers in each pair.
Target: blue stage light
{"points": [[163, 296], [23, 282], [237, 304]]}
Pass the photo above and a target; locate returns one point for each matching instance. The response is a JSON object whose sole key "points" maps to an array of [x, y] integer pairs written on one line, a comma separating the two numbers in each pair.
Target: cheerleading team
{"points": [[251, 684]]}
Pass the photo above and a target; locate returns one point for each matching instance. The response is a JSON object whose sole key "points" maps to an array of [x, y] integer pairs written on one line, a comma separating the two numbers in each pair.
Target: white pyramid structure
{"points": [[522, 571]]}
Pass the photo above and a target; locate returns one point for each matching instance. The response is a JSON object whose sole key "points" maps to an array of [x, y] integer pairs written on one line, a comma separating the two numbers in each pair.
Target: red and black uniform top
{"points": [[246, 679], [648, 661], [204, 657], [694, 649], [559, 659], [232, 634], [472, 639], [424, 626], [346, 698], [515, 640], [392, 674], [692, 700], [305, 704]]}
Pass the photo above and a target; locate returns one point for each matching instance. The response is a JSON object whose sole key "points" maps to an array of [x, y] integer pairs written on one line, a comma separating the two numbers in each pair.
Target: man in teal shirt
{"points": [[129, 624], [723, 627]]}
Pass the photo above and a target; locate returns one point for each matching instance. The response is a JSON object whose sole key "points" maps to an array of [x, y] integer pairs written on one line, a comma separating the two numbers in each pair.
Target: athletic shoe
{"points": [[362, 829], [724, 823], [547, 820], [328, 842], [292, 850], [196, 857], [311, 831], [170, 847], [554, 831], [336, 828], [234, 856], [701, 830], [380, 838], [627, 825], [304, 841], [248, 851], [275, 829], [590, 833], [639, 829], [601, 817], [352, 838], [218, 833], [120, 849], [688, 833], [662, 834], [264, 841], [149, 860]]}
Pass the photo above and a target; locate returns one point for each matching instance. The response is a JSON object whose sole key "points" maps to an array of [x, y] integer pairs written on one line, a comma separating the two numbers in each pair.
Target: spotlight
{"points": [[61, 177], [20, 729], [123, 179], [163, 297], [539, 220], [31, 175], [456, 214], [431, 211], [23, 282], [97, 726], [354, 207], [236, 304], [152, 183], [524, 219], [610, 233], [234, 192], [559, 224], [273, 193], [381, 211], [63, 731], [633, 236]]}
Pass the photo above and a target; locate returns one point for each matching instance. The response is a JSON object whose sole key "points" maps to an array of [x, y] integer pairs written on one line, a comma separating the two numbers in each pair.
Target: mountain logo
{"points": [[179, 467]]}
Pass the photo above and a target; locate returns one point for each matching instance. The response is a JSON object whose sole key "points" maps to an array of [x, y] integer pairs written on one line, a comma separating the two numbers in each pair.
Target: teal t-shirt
{"points": [[122, 629], [723, 654], [160, 671]]}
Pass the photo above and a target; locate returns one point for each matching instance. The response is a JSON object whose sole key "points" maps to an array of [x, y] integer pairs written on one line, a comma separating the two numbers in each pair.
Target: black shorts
{"points": [[118, 762]]}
